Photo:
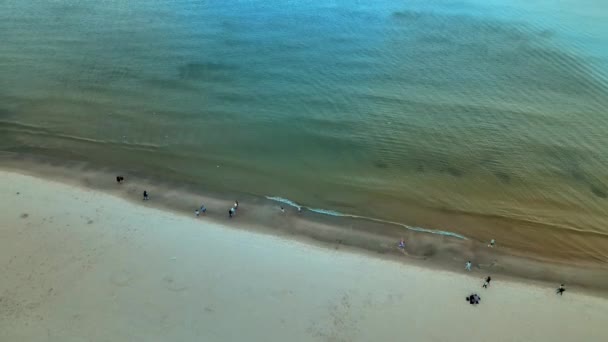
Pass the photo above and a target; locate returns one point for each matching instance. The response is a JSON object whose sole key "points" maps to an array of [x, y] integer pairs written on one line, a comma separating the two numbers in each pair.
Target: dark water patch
{"points": [[116, 73], [503, 177], [598, 191], [407, 15], [578, 175], [492, 164], [173, 84], [547, 34], [5, 113], [207, 71], [453, 171], [325, 124], [435, 39], [236, 42], [233, 97], [568, 163], [512, 55], [380, 164], [328, 105], [430, 110]]}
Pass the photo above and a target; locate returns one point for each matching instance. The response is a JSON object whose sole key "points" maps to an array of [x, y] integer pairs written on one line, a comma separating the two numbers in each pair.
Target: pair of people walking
{"points": [[232, 211]]}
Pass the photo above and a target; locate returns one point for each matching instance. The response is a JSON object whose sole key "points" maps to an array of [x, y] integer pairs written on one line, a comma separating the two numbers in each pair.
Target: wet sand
{"points": [[80, 264], [376, 238]]}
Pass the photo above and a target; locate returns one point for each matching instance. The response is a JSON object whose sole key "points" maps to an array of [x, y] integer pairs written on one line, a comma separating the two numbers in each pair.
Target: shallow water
{"points": [[383, 109]]}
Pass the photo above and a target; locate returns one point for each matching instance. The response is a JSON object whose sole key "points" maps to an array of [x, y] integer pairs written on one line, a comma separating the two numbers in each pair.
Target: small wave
{"points": [[339, 214], [328, 212], [284, 201], [296, 205]]}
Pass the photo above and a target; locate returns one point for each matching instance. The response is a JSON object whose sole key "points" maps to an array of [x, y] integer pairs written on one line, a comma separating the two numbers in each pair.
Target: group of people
{"points": [[201, 210], [474, 299]]}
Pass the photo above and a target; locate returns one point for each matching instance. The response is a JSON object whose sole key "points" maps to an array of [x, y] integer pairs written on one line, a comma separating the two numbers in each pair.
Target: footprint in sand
{"points": [[173, 285], [121, 278]]}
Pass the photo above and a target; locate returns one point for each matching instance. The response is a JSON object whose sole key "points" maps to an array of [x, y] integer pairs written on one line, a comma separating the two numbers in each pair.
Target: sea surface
{"points": [[479, 117]]}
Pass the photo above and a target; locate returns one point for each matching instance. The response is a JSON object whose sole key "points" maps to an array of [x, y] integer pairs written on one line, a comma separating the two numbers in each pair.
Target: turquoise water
{"points": [[381, 108]]}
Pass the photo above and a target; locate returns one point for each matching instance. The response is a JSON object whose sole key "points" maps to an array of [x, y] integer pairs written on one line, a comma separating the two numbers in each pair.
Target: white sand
{"points": [[86, 266]]}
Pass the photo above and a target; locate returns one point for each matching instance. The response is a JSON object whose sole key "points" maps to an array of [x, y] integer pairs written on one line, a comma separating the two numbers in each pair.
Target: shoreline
{"points": [[332, 232], [528, 238], [79, 264]]}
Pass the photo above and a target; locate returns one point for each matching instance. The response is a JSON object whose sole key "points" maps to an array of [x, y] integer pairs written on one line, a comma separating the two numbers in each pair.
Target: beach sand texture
{"points": [[81, 265]]}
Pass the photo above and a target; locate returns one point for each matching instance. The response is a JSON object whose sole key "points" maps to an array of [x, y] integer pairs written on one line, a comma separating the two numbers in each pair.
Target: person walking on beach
{"points": [[230, 212], [119, 179], [560, 290], [146, 197], [402, 244], [467, 266], [201, 210], [487, 282], [283, 210], [492, 243], [236, 205]]}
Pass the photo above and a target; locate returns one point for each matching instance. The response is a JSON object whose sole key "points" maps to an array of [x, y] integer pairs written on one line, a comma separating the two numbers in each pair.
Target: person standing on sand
{"points": [[201, 210], [560, 290], [119, 179], [230, 212], [236, 205], [402, 244], [283, 210], [492, 243], [487, 282], [146, 197], [467, 266]]}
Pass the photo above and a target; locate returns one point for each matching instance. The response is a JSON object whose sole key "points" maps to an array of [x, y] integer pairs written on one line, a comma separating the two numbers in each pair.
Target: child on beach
{"points": [[487, 282], [467, 266]]}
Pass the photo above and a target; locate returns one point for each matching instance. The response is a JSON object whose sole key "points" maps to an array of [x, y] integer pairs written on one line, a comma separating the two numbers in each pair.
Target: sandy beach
{"points": [[83, 265]]}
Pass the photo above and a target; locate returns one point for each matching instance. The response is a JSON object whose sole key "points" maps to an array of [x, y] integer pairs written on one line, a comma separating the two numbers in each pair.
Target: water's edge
{"points": [[430, 248], [339, 214]]}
